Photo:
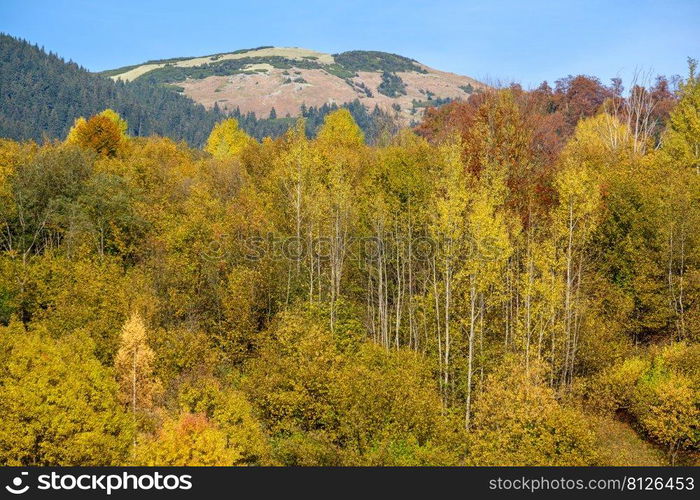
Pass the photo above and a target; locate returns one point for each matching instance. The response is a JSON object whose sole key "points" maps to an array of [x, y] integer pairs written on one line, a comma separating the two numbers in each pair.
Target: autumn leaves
{"points": [[561, 283]]}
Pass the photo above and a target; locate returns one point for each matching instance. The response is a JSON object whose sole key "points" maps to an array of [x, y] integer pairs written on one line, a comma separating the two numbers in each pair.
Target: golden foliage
{"points": [[105, 133], [227, 139], [134, 366]]}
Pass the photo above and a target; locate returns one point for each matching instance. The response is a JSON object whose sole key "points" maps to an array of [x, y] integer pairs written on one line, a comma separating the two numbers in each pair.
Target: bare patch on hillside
{"points": [[259, 87], [287, 90]]}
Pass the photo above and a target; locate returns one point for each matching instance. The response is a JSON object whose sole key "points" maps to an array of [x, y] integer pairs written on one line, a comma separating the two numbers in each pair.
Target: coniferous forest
{"points": [[42, 95], [513, 281]]}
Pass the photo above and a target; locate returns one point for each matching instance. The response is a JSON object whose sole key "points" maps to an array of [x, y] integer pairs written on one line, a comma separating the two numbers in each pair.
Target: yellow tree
{"points": [[519, 421], [340, 145], [105, 132], [484, 266], [134, 366], [295, 186], [667, 409], [239, 302], [231, 412], [393, 211], [678, 167], [58, 403], [120, 122], [575, 218], [190, 440], [227, 139], [682, 139], [340, 129], [75, 131], [541, 289], [449, 206]]}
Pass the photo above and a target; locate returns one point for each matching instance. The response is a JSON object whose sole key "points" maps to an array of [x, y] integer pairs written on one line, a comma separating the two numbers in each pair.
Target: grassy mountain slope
{"points": [[285, 78], [41, 95]]}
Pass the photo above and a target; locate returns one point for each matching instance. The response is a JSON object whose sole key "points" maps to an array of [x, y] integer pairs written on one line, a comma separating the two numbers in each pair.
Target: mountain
{"points": [[41, 95], [288, 80]]}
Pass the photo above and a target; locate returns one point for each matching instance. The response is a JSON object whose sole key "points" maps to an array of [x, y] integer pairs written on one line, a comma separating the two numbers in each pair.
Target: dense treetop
{"points": [[518, 283]]}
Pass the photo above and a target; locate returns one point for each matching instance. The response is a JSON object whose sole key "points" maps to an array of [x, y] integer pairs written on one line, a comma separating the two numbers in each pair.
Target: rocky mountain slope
{"points": [[287, 79]]}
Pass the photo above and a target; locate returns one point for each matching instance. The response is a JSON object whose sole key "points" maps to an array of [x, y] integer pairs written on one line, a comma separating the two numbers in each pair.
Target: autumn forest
{"points": [[513, 281]]}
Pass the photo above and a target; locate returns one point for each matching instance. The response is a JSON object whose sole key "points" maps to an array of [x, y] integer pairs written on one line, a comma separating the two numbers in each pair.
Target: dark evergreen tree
{"points": [[41, 95]]}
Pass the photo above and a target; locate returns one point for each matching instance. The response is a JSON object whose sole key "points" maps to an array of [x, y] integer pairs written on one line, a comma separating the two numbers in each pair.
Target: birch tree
{"points": [[134, 364]]}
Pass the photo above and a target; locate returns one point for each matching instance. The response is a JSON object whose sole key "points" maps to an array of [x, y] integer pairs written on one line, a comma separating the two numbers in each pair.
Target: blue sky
{"points": [[516, 40]]}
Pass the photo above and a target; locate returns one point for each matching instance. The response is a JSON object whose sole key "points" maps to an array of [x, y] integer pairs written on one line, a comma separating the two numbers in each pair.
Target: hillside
{"points": [[41, 95], [287, 79], [332, 303]]}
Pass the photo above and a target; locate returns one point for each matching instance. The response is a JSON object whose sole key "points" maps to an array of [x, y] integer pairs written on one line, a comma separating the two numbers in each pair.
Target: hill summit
{"points": [[287, 79]]}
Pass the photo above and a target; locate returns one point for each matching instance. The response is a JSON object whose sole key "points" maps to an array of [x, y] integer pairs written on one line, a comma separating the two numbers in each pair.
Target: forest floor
{"points": [[623, 446]]}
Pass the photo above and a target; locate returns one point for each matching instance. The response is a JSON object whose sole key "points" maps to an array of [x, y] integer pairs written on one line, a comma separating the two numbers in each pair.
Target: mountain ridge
{"points": [[288, 78], [41, 95]]}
